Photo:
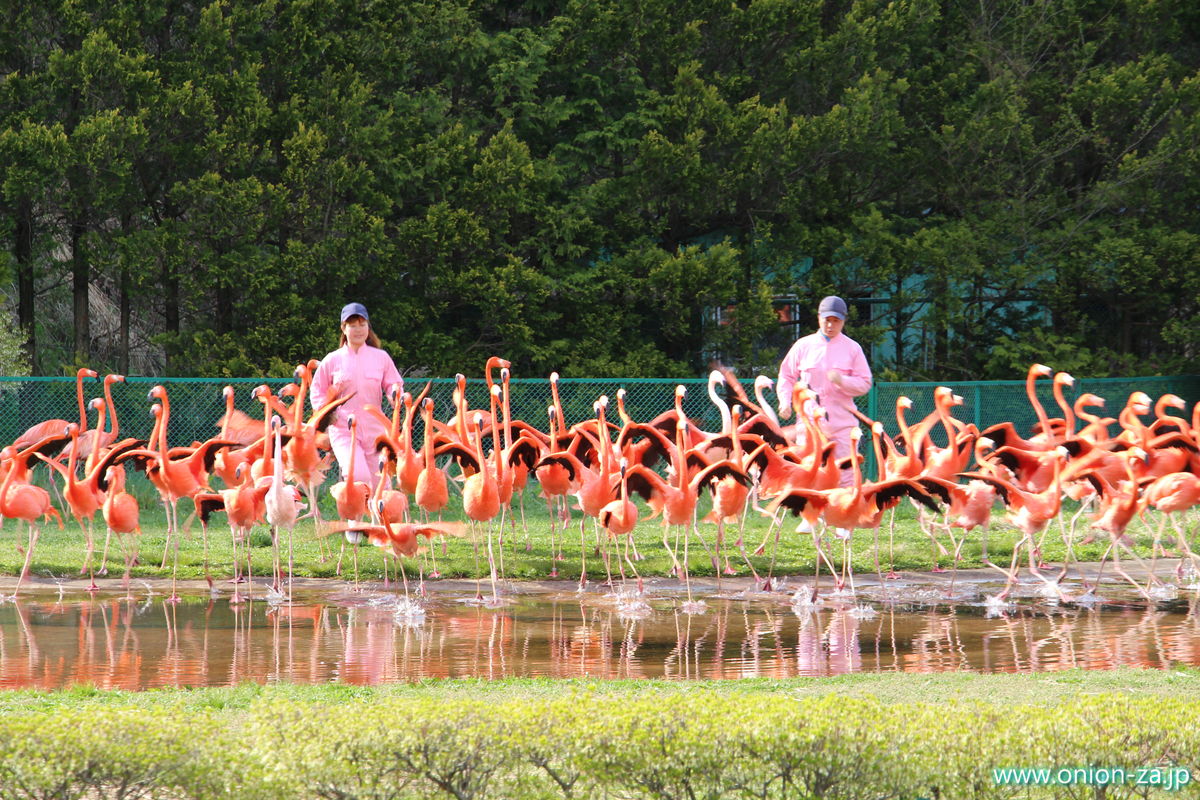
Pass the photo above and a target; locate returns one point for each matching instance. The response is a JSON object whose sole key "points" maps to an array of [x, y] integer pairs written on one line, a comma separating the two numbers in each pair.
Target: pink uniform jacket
{"points": [[810, 359], [369, 373]]}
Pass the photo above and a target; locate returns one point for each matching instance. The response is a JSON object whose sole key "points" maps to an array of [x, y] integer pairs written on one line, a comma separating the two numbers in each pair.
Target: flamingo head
{"points": [[113, 378], [1042, 370], [352, 421], [261, 393], [904, 402], [156, 410], [550, 412], [877, 428], [1065, 378], [72, 429], [157, 393], [505, 375], [289, 390], [227, 392], [86, 372], [716, 377], [95, 402], [855, 435], [427, 404], [496, 391], [680, 391], [554, 377]]}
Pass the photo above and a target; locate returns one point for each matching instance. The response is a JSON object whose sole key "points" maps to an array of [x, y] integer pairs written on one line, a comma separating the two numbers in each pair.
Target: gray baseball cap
{"points": [[354, 309], [832, 306]]}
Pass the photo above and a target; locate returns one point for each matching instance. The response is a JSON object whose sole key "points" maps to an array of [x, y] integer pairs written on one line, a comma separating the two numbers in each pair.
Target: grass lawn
{"points": [[528, 550], [1037, 689]]}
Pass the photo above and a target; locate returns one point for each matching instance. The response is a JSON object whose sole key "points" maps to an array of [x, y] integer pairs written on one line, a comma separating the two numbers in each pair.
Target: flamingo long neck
{"points": [[714, 378], [497, 444], [880, 463], [406, 428], [228, 392], [506, 405], [1031, 393], [109, 380], [6, 483], [166, 419], [90, 461], [764, 405], [902, 424], [602, 438], [460, 405], [427, 418], [735, 441], [1068, 414], [353, 453], [678, 457], [298, 408], [268, 439], [557, 404], [1172, 401], [79, 376], [276, 487]]}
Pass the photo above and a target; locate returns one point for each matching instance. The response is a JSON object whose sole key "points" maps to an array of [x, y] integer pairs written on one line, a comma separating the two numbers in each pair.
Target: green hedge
{"points": [[586, 744]]}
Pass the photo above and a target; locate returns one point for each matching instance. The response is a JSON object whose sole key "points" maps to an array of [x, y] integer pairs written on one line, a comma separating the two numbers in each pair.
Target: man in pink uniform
{"points": [[361, 368], [832, 365]]}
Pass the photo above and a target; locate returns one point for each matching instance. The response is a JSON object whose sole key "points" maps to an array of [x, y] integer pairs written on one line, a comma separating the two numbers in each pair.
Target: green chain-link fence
{"points": [[198, 404]]}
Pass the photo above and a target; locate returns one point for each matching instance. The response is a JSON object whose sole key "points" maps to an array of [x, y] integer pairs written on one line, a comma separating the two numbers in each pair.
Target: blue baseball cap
{"points": [[354, 309], [831, 306]]}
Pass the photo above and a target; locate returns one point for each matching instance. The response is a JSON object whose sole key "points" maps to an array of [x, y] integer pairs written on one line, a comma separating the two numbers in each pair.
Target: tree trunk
{"points": [[25, 286], [81, 279], [170, 287], [123, 347]]}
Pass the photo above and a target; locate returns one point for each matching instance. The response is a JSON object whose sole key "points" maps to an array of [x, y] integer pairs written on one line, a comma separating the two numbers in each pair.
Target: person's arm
{"points": [[789, 372], [318, 392], [856, 380], [391, 380]]}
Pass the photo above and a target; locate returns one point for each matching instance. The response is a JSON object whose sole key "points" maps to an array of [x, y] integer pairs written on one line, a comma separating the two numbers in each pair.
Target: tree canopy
{"points": [[602, 187]]}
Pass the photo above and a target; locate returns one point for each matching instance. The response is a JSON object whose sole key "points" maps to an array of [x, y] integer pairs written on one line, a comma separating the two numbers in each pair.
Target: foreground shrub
{"points": [[687, 746]]}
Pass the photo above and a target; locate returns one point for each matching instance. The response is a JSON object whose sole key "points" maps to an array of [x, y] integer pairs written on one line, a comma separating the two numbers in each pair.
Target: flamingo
{"points": [[350, 497], [121, 515], [26, 502], [432, 491], [283, 506], [481, 498], [91, 447], [677, 501], [1170, 495], [49, 427], [1030, 513], [859, 505], [619, 517], [83, 497]]}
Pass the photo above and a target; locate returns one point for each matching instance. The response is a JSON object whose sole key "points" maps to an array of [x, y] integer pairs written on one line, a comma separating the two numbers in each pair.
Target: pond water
{"points": [[372, 637]]}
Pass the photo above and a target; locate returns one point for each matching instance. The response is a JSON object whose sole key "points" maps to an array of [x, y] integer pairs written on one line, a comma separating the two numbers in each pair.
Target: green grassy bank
{"points": [[863, 736]]}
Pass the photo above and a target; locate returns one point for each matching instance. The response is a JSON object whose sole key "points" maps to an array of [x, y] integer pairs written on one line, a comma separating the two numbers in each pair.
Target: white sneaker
{"points": [[804, 527]]}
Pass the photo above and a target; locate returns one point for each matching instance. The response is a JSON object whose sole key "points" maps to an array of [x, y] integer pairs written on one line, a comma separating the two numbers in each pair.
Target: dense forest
{"points": [[602, 187]]}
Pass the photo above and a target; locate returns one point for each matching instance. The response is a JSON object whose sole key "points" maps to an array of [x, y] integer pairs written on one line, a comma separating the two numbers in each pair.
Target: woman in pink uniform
{"points": [[361, 368], [832, 365]]}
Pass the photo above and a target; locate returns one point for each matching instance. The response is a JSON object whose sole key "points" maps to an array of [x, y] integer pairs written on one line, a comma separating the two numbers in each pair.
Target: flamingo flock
{"points": [[269, 472]]}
